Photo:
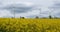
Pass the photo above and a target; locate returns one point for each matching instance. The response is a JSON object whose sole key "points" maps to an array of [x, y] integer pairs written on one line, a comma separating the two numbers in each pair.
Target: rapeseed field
{"points": [[29, 25]]}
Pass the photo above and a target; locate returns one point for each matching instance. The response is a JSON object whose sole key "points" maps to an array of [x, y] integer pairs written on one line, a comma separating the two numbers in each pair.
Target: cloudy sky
{"points": [[29, 8]]}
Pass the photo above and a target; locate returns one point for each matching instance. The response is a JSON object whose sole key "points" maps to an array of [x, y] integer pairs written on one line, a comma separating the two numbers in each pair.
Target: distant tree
{"points": [[50, 16], [36, 17], [22, 17]]}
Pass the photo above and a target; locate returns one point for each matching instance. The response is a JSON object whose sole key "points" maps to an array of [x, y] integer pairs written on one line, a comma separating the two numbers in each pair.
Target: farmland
{"points": [[29, 25]]}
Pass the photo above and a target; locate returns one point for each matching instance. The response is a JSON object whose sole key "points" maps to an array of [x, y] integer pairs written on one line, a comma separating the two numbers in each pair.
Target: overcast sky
{"points": [[29, 8]]}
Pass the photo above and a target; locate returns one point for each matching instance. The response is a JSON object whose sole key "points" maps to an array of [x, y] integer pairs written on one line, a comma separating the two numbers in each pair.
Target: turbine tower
{"points": [[14, 12], [40, 11]]}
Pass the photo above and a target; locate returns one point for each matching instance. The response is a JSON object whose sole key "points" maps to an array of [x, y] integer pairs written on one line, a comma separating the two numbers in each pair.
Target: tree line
{"points": [[49, 17]]}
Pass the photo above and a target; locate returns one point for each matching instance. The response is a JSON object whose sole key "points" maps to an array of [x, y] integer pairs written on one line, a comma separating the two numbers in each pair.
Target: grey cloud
{"points": [[18, 8], [57, 15], [42, 14], [56, 9], [56, 5]]}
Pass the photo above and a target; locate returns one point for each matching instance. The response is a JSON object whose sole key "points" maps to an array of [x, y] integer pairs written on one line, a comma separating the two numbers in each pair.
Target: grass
{"points": [[29, 25]]}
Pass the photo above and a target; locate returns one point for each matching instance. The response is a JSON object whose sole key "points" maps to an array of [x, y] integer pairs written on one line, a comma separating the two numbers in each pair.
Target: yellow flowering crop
{"points": [[29, 25]]}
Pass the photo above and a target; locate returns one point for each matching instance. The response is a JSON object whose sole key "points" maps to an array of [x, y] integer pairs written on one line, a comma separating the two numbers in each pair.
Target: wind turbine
{"points": [[50, 11]]}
